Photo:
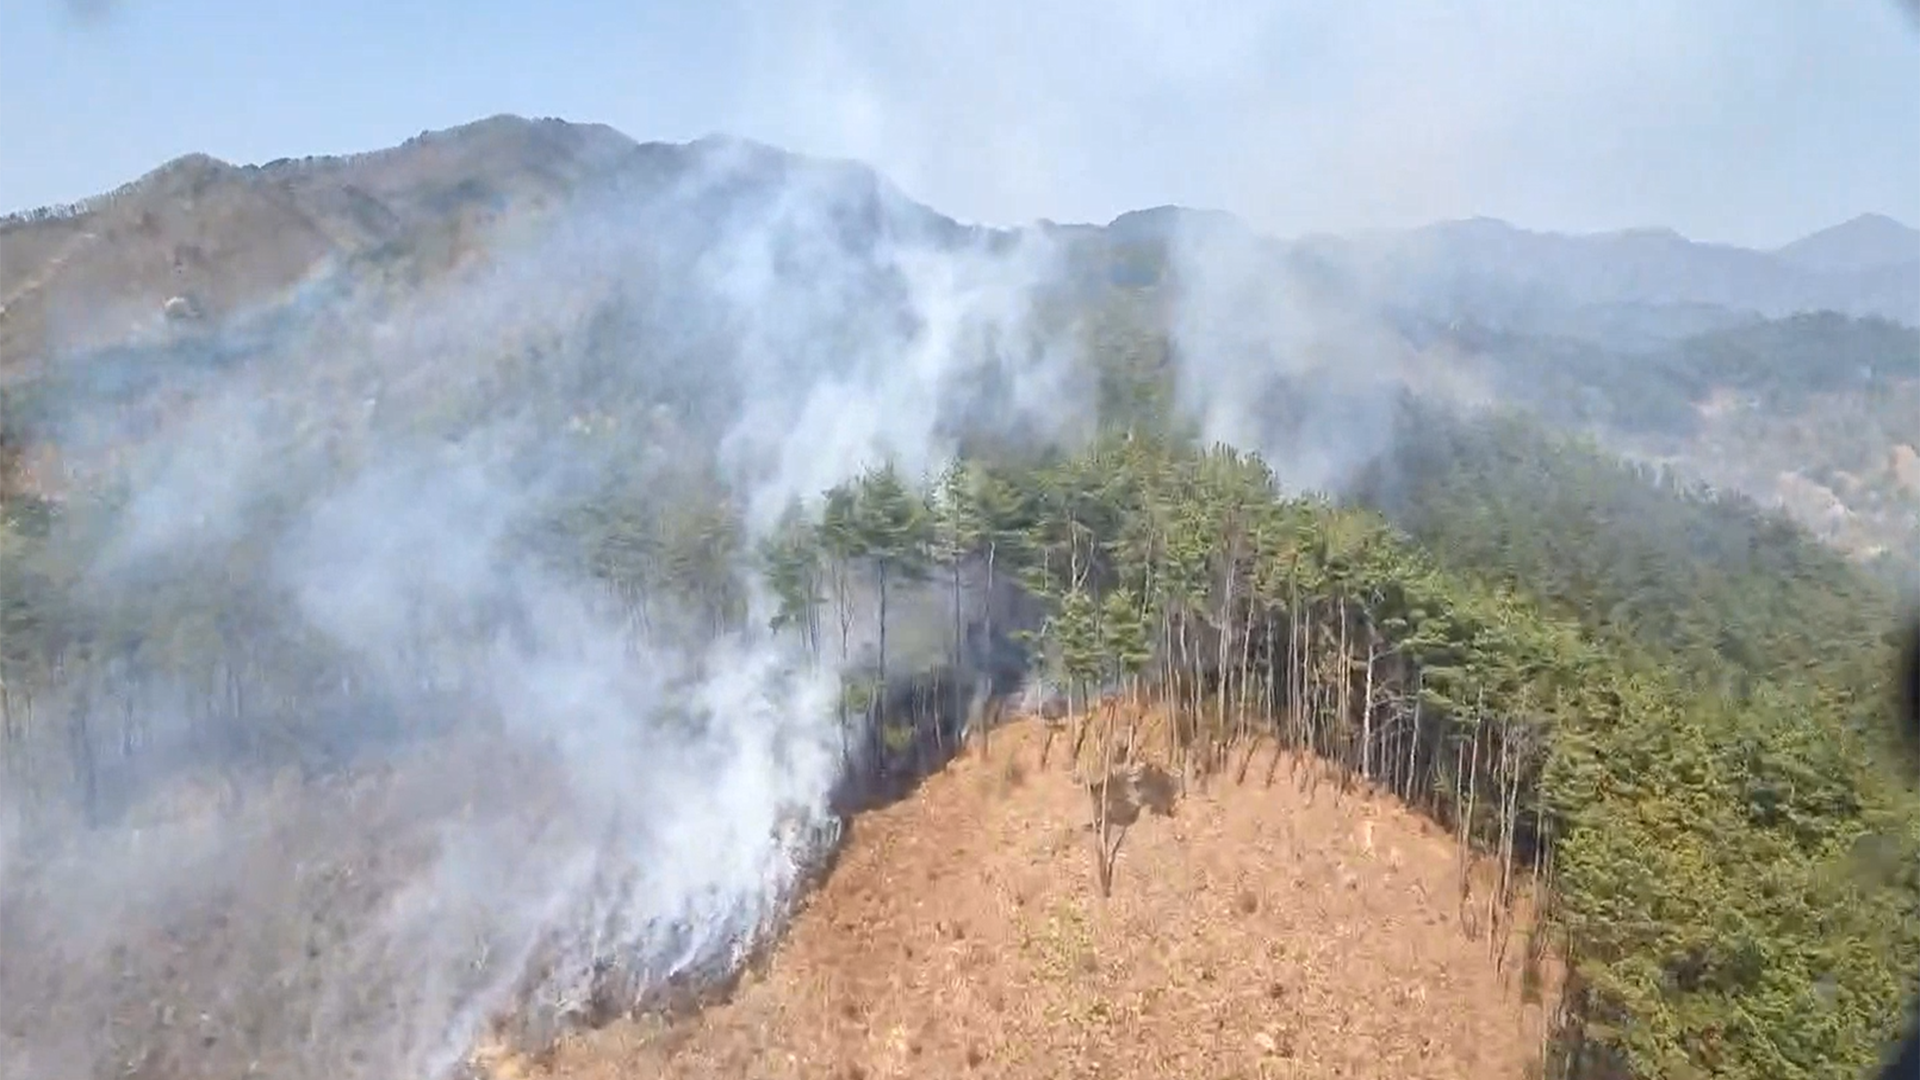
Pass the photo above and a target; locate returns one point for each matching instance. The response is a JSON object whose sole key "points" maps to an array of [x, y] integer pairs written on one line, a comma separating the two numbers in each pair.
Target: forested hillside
{"points": [[1817, 415], [1661, 701], [515, 640], [1713, 580]]}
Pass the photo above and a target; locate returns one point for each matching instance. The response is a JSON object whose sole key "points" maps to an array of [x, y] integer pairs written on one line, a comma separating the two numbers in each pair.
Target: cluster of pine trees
{"points": [[1718, 842]]}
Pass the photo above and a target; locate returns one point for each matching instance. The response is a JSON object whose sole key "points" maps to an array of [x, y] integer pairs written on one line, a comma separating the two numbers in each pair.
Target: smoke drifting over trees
{"points": [[487, 636], [406, 660]]}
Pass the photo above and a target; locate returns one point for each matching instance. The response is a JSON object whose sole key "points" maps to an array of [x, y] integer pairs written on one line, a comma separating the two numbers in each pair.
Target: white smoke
{"points": [[1280, 355], [559, 789], [532, 784]]}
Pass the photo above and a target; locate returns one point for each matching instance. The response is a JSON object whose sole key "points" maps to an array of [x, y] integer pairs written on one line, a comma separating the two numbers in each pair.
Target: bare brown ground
{"points": [[1259, 932]]}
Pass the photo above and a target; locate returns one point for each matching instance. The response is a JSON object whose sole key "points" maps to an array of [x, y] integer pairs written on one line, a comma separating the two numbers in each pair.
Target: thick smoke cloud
{"points": [[491, 782], [494, 776]]}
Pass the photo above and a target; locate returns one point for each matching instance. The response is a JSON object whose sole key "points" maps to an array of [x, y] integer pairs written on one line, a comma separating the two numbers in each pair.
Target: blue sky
{"points": [[1749, 121]]}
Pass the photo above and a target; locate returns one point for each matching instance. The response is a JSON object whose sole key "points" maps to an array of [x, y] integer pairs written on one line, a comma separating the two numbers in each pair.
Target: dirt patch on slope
{"points": [[1259, 932]]}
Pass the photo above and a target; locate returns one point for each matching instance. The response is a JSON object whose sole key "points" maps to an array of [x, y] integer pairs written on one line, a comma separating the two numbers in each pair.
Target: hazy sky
{"points": [[1750, 121]]}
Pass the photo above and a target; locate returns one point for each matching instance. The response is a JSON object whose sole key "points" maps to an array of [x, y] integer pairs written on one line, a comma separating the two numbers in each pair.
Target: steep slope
{"points": [[234, 237], [1281, 929], [564, 238], [196, 228]]}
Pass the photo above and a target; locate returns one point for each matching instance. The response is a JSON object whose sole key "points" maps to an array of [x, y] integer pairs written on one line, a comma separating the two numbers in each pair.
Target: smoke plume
{"points": [[365, 756], [371, 765]]}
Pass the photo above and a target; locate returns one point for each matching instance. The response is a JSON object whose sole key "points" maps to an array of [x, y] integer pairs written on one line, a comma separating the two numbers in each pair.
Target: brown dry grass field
{"points": [[1284, 931]]}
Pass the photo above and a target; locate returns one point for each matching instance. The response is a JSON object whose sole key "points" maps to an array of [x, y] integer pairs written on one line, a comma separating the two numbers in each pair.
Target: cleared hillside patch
{"points": [[1288, 930]]}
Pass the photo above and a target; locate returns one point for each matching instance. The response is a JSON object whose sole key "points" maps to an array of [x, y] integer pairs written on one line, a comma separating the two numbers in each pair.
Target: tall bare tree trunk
{"points": [[1413, 743], [1246, 662], [845, 612], [1366, 716], [986, 618], [1466, 819], [1103, 856], [1223, 652], [1343, 700]]}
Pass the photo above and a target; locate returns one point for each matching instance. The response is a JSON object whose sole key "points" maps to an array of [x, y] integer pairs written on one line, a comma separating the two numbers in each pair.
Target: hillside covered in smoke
{"points": [[476, 601], [1653, 343], [462, 570]]}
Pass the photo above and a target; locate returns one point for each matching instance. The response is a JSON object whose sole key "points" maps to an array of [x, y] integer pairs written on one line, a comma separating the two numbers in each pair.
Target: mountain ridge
{"points": [[461, 179], [1881, 227]]}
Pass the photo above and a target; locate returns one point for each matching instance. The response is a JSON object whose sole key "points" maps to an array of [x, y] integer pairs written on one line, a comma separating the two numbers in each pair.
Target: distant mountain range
{"points": [[1487, 269]]}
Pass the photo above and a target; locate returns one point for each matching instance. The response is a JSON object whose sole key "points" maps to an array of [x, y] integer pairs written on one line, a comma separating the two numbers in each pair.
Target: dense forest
{"points": [[1661, 702], [1817, 413], [1776, 364], [1636, 553]]}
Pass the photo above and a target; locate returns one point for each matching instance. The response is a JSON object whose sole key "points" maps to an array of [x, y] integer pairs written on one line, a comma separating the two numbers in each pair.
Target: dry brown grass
{"points": [[1259, 932]]}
